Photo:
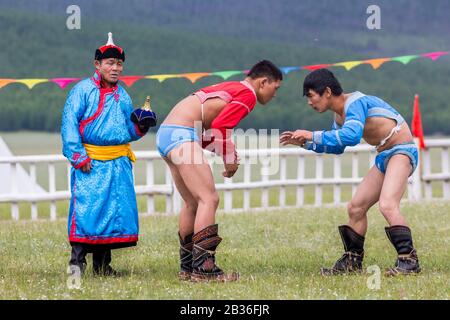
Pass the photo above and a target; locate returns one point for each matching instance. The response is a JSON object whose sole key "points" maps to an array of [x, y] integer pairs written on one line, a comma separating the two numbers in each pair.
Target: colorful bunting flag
{"points": [[226, 74], [405, 59], [435, 55], [63, 82], [316, 67], [194, 76], [286, 70], [162, 77], [130, 80], [30, 83], [348, 65], [4, 82], [376, 63]]}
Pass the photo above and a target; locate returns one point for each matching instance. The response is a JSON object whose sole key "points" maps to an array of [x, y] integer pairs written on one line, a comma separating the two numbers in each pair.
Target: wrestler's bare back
{"points": [[188, 111]]}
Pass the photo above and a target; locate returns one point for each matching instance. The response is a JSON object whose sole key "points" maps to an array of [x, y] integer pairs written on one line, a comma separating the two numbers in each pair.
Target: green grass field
{"points": [[278, 254]]}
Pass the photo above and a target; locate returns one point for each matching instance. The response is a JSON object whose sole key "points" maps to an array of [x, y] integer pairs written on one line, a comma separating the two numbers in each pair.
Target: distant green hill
{"points": [[38, 45], [405, 24]]}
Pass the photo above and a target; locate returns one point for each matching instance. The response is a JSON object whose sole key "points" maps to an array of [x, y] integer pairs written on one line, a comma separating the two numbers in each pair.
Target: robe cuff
{"points": [[78, 166], [317, 137]]}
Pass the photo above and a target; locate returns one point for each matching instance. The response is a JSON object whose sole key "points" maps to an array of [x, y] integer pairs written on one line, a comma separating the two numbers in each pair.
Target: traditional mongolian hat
{"points": [[109, 50]]}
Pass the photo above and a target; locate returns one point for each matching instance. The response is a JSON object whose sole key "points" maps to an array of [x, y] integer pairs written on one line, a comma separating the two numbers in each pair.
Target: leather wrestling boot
{"points": [[204, 266], [351, 260], [407, 260], [186, 246]]}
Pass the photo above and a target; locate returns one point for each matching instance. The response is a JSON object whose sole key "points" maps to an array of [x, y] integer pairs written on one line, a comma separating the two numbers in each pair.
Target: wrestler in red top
{"points": [[217, 110]]}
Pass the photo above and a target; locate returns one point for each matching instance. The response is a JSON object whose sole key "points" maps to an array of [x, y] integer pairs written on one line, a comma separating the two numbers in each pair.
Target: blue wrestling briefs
{"points": [[409, 149], [170, 136]]}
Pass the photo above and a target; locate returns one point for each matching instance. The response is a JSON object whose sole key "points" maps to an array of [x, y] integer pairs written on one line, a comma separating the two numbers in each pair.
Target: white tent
{"points": [[23, 178]]}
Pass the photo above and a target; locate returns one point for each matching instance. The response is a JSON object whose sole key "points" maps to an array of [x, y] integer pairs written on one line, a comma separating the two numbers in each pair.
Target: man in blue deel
{"points": [[98, 123]]}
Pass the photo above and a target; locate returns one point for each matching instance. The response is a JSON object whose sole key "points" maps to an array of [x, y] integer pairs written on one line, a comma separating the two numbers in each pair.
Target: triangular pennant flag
{"points": [[435, 55], [193, 77], [286, 70], [226, 74], [348, 65], [30, 83], [130, 80], [4, 82], [63, 82], [405, 59], [416, 126], [316, 67], [376, 63], [162, 77]]}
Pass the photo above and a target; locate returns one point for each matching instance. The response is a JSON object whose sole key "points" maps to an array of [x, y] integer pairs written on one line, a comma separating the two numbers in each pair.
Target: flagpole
{"points": [[417, 131]]}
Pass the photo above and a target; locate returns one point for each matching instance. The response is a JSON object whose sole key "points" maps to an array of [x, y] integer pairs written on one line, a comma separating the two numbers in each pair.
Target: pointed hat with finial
{"points": [[109, 50]]}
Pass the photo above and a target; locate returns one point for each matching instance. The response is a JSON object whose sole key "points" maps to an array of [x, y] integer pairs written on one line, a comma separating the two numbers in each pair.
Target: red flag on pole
{"points": [[416, 125]]}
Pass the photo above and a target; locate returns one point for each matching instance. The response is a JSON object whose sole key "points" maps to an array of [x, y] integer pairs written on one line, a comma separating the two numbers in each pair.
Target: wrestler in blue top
{"points": [[360, 116]]}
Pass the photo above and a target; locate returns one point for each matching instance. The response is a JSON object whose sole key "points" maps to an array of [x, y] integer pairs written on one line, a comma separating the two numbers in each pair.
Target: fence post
{"points": [[282, 196], [150, 183], [34, 211], [15, 191], [445, 169], [169, 197], [300, 178], [337, 176], [228, 195], [265, 178], [247, 179], [355, 173], [416, 179], [52, 189], [319, 177], [426, 172]]}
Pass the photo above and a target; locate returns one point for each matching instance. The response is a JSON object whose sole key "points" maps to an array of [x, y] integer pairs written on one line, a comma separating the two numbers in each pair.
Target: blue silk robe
{"points": [[103, 207]]}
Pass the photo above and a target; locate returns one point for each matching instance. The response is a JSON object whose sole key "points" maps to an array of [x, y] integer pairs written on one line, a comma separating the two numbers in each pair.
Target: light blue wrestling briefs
{"points": [[409, 149], [170, 136]]}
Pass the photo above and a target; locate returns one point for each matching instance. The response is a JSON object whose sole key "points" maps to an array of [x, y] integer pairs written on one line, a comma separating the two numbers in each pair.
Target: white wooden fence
{"points": [[433, 169]]}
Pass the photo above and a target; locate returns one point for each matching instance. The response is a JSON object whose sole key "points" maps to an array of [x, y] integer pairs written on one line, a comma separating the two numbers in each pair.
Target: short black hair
{"points": [[265, 68], [319, 80]]}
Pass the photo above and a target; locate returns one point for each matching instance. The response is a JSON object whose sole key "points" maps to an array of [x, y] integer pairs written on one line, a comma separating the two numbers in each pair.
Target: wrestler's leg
{"points": [[395, 182], [394, 185], [193, 169], [196, 174], [189, 209], [366, 195], [352, 235], [186, 222]]}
